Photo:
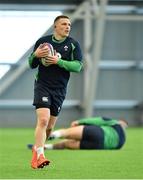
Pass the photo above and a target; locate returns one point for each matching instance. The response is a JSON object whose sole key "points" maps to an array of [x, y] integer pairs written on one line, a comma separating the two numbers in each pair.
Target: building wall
{"points": [[123, 41]]}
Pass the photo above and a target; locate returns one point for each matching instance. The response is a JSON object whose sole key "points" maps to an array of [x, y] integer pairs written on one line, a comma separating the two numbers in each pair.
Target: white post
{"points": [[97, 50], [87, 54]]}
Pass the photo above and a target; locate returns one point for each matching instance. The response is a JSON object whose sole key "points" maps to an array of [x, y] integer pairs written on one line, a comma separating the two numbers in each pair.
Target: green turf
{"points": [[126, 163]]}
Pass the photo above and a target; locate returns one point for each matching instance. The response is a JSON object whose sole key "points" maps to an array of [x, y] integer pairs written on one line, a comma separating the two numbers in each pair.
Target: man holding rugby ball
{"points": [[55, 56]]}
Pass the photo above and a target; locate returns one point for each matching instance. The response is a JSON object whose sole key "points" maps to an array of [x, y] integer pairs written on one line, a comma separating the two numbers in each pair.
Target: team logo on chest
{"points": [[65, 48]]}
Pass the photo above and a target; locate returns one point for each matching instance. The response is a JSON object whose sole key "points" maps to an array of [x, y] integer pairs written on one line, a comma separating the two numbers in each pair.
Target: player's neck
{"points": [[58, 37]]}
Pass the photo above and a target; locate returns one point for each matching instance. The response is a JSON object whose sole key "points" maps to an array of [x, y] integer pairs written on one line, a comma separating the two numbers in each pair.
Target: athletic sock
{"points": [[48, 146], [40, 150], [56, 134]]}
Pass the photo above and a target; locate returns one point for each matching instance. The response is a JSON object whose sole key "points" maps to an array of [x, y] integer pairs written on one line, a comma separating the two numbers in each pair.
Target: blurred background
{"points": [[110, 34]]}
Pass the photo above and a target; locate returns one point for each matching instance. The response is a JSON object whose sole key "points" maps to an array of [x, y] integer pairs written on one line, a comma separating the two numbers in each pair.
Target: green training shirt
{"points": [[111, 138], [70, 60]]}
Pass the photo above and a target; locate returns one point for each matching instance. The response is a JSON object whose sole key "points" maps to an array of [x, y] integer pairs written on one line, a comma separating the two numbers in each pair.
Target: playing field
{"points": [[126, 163]]}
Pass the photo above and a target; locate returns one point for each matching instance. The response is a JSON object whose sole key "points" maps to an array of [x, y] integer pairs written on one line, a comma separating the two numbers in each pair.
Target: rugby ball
{"points": [[51, 53]]}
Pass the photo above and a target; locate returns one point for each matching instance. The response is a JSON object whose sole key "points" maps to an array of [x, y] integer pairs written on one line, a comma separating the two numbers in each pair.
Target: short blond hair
{"points": [[60, 17]]}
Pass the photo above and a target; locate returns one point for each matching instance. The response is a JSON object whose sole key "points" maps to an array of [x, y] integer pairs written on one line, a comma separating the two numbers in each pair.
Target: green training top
{"points": [[111, 138]]}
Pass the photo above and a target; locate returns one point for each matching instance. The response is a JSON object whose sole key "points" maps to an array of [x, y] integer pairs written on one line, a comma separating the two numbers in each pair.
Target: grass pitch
{"points": [[126, 163]]}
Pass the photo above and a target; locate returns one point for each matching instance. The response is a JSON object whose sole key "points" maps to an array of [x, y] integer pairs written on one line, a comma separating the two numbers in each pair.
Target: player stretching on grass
{"points": [[51, 82], [90, 133]]}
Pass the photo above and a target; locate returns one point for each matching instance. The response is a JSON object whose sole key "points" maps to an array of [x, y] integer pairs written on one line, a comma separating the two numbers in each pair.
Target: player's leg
{"points": [[42, 103], [69, 133], [92, 138], [58, 96], [49, 129], [56, 99], [43, 115], [51, 125], [64, 144]]}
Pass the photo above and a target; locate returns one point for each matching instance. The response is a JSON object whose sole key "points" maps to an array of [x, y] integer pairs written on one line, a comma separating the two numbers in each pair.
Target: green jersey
{"points": [[111, 136]]}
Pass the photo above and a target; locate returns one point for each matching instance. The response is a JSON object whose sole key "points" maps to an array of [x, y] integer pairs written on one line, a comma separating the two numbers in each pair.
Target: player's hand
{"points": [[52, 59], [42, 51], [74, 123]]}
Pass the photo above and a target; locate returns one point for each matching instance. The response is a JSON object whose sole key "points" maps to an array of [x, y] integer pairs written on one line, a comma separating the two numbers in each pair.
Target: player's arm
{"points": [[75, 63], [33, 61], [99, 121], [72, 66], [37, 54]]}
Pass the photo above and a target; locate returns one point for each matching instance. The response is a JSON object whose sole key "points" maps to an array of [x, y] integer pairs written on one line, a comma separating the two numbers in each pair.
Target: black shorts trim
{"points": [[37, 106], [92, 138]]}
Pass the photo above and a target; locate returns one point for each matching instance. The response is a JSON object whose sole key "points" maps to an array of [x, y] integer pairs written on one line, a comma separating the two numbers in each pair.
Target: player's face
{"points": [[63, 27]]}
